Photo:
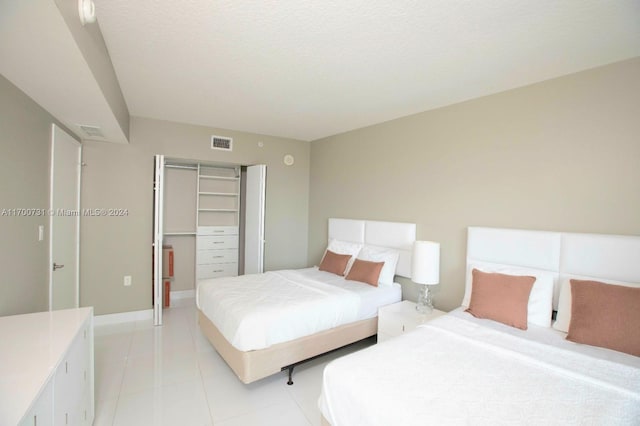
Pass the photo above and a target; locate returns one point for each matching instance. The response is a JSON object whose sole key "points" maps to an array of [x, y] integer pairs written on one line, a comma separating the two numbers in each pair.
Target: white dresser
{"points": [[217, 252], [46, 368]]}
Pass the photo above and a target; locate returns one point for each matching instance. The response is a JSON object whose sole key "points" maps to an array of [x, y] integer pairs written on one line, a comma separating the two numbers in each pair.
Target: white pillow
{"points": [[381, 254], [345, 247], [563, 318], [540, 304]]}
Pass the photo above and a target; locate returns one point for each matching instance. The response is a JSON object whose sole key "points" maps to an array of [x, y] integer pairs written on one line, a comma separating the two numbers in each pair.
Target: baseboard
{"points": [[182, 294], [106, 319]]}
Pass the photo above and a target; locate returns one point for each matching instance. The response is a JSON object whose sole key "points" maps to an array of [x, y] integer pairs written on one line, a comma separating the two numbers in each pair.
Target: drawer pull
{"points": [[403, 328], [219, 270]]}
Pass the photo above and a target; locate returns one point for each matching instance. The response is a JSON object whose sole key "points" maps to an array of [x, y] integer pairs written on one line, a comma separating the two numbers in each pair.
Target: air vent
{"points": [[92, 131], [221, 142]]}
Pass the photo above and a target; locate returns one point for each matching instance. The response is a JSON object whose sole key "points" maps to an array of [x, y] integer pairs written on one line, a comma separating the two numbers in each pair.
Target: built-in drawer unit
{"points": [[217, 230], [217, 251], [217, 270], [205, 257], [209, 242]]}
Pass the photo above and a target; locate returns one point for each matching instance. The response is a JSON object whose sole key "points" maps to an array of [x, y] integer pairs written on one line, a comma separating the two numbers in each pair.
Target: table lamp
{"points": [[425, 271]]}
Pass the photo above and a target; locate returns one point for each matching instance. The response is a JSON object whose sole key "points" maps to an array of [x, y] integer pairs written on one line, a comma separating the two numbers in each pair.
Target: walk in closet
{"points": [[212, 215]]}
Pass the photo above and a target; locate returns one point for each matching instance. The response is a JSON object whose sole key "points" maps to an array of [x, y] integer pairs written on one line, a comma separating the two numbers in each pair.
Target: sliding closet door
{"points": [[254, 219], [158, 231]]}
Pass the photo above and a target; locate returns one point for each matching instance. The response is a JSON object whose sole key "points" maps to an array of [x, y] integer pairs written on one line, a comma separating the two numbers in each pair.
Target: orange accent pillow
{"points": [[365, 271], [605, 315], [500, 297], [334, 263]]}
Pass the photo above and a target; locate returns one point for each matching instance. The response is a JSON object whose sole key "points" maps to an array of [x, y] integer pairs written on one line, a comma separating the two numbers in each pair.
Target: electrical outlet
{"points": [[127, 280]]}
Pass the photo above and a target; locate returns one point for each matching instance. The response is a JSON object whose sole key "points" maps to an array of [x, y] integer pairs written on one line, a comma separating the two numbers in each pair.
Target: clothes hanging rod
{"points": [[175, 166]]}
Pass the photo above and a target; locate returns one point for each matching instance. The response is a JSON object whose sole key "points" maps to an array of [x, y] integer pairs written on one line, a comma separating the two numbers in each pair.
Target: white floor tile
{"points": [[161, 339], [171, 375], [159, 369], [177, 404], [210, 363], [108, 379], [228, 397], [282, 414], [112, 348], [105, 411], [117, 328]]}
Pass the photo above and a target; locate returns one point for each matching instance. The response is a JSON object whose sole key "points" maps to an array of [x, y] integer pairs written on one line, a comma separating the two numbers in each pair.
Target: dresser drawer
{"points": [[217, 242], [217, 230], [206, 257], [217, 270]]}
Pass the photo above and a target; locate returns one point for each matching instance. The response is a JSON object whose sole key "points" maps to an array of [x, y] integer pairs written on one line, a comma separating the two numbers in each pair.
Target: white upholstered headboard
{"points": [[566, 255], [396, 235]]}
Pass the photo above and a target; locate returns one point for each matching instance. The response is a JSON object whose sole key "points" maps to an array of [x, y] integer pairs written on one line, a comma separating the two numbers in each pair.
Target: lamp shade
{"points": [[425, 263]]}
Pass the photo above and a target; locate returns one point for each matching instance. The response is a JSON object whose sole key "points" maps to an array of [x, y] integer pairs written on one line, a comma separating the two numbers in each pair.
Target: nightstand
{"points": [[398, 318]]}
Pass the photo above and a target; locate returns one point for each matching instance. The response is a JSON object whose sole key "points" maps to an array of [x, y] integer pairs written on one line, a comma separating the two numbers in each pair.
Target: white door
{"points": [[64, 220], [254, 219], [158, 231]]}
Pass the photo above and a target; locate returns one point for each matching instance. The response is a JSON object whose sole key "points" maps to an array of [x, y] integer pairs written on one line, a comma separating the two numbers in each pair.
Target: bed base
{"points": [[289, 368], [250, 366]]}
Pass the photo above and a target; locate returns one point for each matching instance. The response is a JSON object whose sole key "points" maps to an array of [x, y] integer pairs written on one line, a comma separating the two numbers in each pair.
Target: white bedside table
{"points": [[393, 320]]}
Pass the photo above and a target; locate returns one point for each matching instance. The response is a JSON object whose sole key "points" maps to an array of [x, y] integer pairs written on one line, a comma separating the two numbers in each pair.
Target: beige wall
{"points": [[558, 155], [25, 134], [121, 176]]}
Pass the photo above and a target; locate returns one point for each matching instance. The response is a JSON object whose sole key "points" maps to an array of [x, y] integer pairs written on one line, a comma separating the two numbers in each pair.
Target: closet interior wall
{"points": [[180, 222]]}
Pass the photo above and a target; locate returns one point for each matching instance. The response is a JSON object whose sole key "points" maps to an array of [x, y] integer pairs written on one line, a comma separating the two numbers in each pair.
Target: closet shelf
{"points": [[179, 233], [218, 210], [222, 194], [218, 177]]}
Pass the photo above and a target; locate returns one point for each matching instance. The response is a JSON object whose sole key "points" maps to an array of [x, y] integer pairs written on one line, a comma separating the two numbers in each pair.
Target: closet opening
{"points": [[208, 223]]}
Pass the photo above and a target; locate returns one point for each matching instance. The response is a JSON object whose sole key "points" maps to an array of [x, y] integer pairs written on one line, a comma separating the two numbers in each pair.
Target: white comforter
{"points": [[257, 311], [455, 370]]}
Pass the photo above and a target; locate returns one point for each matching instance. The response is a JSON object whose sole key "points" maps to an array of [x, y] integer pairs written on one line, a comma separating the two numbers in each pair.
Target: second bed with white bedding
{"points": [[461, 370], [256, 311]]}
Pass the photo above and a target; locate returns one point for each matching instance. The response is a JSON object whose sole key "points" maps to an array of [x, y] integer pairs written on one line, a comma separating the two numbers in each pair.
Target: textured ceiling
{"points": [[310, 69]]}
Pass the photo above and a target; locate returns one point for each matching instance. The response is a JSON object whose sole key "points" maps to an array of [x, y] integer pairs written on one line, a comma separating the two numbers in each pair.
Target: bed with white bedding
{"points": [[460, 369], [257, 311], [263, 323]]}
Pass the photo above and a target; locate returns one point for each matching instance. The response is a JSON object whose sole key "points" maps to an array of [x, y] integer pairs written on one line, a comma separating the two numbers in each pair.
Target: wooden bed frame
{"points": [[250, 366]]}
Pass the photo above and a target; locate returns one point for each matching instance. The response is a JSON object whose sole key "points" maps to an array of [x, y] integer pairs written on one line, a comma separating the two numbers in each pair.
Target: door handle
{"points": [[56, 266]]}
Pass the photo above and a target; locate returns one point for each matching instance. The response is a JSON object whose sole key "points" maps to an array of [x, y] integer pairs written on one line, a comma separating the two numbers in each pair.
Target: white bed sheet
{"points": [[256, 311], [461, 370]]}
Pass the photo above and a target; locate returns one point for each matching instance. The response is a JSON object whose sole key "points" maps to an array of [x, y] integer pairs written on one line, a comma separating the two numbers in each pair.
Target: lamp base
{"points": [[425, 303]]}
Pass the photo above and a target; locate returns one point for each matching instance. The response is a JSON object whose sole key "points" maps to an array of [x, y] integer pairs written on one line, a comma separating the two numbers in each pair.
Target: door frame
{"points": [[52, 213], [158, 236]]}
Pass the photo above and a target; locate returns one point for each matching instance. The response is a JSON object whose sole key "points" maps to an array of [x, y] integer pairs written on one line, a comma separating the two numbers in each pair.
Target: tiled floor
{"points": [[171, 375]]}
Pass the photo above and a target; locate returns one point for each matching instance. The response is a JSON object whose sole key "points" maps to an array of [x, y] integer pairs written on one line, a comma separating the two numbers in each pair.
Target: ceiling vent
{"points": [[221, 142], [91, 131]]}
